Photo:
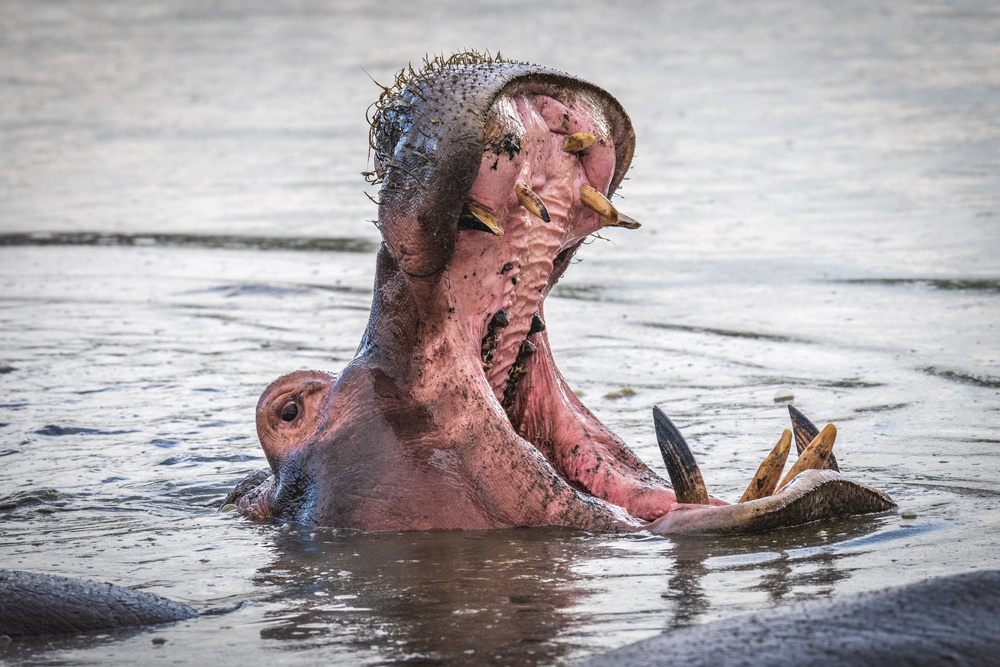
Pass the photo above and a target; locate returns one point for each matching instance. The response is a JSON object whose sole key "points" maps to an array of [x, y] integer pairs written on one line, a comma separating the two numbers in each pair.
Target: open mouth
{"points": [[552, 151], [538, 194], [453, 413]]}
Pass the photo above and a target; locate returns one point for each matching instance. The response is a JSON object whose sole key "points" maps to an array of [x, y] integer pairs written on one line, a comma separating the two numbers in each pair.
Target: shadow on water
{"points": [[985, 285]]}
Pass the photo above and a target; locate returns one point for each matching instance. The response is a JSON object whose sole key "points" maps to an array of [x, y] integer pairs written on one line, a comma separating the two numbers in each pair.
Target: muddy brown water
{"points": [[182, 219]]}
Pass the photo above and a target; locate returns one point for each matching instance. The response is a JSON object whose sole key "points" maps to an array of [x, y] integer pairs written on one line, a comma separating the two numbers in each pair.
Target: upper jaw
{"points": [[539, 192], [429, 137]]}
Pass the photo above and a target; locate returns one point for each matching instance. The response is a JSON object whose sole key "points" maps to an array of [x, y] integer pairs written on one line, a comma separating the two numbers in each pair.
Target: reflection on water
{"points": [[431, 596], [505, 597], [182, 220], [505, 594]]}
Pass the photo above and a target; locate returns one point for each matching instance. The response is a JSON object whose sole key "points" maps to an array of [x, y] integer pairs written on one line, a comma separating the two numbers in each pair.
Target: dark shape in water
{"points": [[952, 620], [34, 604]]}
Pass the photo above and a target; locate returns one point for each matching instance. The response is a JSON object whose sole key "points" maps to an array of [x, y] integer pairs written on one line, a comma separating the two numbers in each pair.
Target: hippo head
{"points": [[453, 413]]}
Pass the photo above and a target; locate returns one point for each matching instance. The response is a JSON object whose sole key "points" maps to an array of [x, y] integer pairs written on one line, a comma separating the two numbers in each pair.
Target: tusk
{"points": [[769, 472], [689, 487], [628, 222], [532, 202], [815, 455], [476, 216], [580, 141], [595, 201], [805, 432]]}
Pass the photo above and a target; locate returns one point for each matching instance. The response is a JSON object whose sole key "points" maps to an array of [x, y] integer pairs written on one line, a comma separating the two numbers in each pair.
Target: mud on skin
{"points": [[453, 413]]}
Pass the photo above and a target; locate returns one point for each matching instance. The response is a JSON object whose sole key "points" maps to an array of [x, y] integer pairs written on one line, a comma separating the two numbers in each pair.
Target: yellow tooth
{"points": [[815, 455], [580, 141], [628, 222], [769, 472], [595, 201], [485, 216], [531, 201]]}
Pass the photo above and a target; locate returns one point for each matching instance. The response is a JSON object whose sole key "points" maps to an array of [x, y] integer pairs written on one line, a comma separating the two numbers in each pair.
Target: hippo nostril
{"points": [[289, 412]]}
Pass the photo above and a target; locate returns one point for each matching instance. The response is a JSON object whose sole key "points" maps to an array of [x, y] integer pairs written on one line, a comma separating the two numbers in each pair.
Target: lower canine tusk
{"points": [[595, 201], [815, 455], [769, 472], [532, 202], [577, 142], [805, 431], [689, 487]]}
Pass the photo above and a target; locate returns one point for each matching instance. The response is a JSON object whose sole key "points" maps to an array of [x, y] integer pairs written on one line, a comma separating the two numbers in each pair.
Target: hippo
{"points": [[943, 621], [453, 414], [35, 604]]}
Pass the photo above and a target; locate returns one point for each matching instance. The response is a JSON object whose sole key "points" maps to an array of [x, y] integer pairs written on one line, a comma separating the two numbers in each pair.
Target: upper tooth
{"points": [[628, 222], [531, 201], [595, 201], [499, 320], [580, 141], [537, 324], [485, 216]]}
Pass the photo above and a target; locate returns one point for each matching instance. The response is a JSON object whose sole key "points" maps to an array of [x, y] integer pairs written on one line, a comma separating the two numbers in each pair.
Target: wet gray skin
{"points": [[34, 604], [453, 414], [946, 621]]}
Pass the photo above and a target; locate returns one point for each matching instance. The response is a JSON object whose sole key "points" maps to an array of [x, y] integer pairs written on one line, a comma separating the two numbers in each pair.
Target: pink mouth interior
{"points": [[514, 273]]}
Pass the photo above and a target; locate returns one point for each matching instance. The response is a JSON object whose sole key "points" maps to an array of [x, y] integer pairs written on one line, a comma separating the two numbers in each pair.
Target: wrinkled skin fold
{"points": [[453, 414]]}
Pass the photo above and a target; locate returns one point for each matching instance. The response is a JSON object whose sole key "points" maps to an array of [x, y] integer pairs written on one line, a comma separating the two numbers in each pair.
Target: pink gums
{"points": [[514, 273]]}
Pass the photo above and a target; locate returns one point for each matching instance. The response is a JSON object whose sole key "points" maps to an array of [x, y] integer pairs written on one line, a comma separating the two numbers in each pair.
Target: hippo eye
{"points": [[289, 412]]}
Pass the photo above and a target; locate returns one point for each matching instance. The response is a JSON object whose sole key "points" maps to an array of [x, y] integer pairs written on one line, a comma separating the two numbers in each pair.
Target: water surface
{"points": [[182, 220]]}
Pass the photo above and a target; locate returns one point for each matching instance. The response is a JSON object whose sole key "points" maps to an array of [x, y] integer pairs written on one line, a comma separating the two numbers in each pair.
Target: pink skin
{"points": [[549, 415], [412, 434], [420, 431]]}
